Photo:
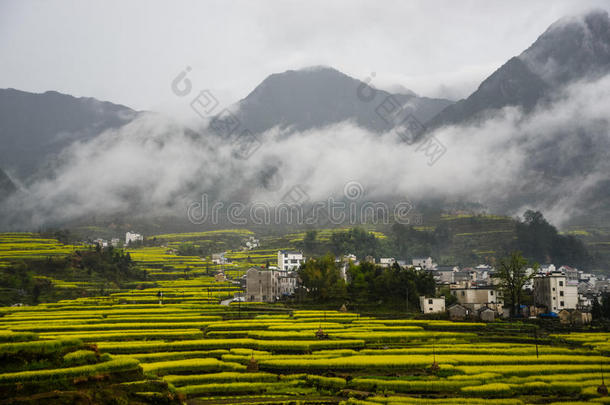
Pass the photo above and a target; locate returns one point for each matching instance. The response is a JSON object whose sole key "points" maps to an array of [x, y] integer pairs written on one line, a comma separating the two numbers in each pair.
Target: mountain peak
{"points": [[318, 96], [572, 48]]}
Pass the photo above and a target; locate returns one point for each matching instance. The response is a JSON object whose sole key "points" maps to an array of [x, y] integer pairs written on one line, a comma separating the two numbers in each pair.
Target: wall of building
{"points": [[432, 305], [289, 261], [554, 293], [268, 285]]}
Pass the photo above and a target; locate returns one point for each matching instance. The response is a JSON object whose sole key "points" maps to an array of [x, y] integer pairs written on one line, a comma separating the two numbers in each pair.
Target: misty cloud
{"points": [[510, 161]]}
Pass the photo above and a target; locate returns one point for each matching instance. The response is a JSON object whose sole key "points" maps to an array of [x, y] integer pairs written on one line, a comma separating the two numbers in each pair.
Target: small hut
{"points": [[565, 317], [487, 314], [580, 318], [457, 312]]}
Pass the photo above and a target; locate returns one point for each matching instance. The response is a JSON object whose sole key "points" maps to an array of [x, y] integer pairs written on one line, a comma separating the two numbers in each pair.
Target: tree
{"points": [[512, 275], [309, 241], [605, 305], [596, 310], [322, 278], [540, 241]]}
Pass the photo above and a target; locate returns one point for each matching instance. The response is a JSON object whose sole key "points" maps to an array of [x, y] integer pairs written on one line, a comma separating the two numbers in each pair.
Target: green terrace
{"points": [[268, 353]]}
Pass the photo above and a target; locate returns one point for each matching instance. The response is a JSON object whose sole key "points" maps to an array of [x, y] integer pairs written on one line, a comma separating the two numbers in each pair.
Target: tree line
{"points": [[323, 281]]}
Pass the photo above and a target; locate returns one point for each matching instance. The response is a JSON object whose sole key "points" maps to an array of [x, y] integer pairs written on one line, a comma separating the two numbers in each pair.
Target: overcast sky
{"points": [[128, 52]]}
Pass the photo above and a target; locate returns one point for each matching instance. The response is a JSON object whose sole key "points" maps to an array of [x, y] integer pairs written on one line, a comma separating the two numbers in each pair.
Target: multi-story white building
{"points": [[432, 305], [264, 285], [133, 237], [553, 292], [289, 260]]}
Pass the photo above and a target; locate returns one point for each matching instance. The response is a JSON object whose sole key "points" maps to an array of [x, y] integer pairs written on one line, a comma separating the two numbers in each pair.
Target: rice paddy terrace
{"points": [[77, 351], [167, 341]]}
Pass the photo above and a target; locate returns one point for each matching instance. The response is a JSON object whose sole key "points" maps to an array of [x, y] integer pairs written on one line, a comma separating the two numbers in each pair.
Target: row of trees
{"points": [[368, 283]]}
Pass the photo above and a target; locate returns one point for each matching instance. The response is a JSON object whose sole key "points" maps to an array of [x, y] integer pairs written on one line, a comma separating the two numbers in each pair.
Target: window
{"points": [[553, 288], [430, 301], [561, 303], [430, 309], [561, 293], [463, 293], [561, 284], [491, 293]]}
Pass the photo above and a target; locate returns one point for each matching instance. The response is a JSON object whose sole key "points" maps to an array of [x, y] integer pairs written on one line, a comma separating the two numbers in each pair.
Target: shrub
{"points": [[410, 385], [191, 366], [80, 357], [225, 377], [230, 388], [112, 366], [10, 336], [38, 347], [495, 389], [326, 382]]}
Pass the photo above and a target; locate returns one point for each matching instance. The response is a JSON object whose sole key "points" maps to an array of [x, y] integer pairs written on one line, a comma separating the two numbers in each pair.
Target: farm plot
{"points": [[193, 351]]}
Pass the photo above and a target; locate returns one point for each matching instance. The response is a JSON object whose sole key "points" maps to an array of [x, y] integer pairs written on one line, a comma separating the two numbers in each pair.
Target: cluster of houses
{"points": [[114, 242], [565, 293], [130, 237], [275, 282]]}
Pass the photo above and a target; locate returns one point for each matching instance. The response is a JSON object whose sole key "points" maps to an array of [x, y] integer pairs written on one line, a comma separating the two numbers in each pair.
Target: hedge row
{"points": [[112, 366], [197, 365], [224, 377]]}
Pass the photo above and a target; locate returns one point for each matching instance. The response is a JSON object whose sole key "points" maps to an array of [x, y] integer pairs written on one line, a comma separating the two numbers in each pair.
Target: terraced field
{"points": [[16, 246], [199, 352]]}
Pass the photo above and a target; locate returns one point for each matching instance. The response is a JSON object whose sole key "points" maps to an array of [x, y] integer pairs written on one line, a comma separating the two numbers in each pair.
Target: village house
{"points": [[457, 312], [133, 237], [289, 260], [219, 258], [553, 292], [424, 263], [432, 305], [386, 261], [486, 314], [266, 285], [475, 298]]}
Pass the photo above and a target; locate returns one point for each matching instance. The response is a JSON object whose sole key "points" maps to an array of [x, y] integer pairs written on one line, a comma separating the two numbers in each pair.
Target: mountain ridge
{"points": [[570, 49], [35, 127]]}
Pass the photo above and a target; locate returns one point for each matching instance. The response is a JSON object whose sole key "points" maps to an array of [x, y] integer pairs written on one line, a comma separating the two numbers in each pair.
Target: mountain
{"points": [[36, 127], [7, 187], [319, 96], [572, 48]]}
